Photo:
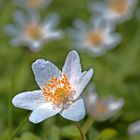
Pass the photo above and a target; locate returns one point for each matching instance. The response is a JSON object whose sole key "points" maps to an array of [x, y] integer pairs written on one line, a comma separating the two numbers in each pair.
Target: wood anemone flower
{"points": [[114, 10], [32, 4], [97, 37], [102, 109], [60, 91], [30, 31]]}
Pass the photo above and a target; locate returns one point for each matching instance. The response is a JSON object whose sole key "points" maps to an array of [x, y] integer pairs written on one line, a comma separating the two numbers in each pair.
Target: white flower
{"points": [[29, 31], [104, 108], [114, 10], [134, 128], [32, 4], [60, 91], [97, 38]]}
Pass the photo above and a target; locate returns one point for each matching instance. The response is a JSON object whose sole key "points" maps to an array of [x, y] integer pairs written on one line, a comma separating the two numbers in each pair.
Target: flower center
{"points": [[58, 91], [101, 108], [119, 6], [95, 38], [35, 3], [33, 31]]}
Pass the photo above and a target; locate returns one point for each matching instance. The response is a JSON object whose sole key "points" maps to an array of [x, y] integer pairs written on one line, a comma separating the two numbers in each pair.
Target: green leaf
{"points": [[135, 137], [108, 133], [55, 133], [93, 134], [70, 132], [28, 136]]}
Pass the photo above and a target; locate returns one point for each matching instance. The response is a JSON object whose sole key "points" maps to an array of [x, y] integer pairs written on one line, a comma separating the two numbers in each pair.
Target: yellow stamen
{"points": [[95, 38], [58, 90], [119, 6], [35, 3], [33, 31]]}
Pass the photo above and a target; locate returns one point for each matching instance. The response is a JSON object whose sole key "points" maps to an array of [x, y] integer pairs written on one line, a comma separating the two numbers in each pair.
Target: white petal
{"points": [[34, 17], [72, 66], [47, 2], [28, 100], [112, 40], [134, 128], [75, 112], [115, 105], [97, 7], [43, 71], [54, 34], [43, 112], [91, 97], [16, 41], [12, 30], [21, 3], [20, 18], [18, 1], [80, 25], [35, 46], [102, 25], [83, 83], [98, 51], [52, 20], [112, 105]]}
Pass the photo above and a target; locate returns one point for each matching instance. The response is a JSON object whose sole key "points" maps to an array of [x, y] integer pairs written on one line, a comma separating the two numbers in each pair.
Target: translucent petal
{"points": [[83, 83], [43, 112], [75, 112], [44, 71], [72, 66], [28, 100]]}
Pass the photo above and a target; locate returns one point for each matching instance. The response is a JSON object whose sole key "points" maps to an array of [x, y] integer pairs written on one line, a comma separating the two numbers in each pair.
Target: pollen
{"points": [[33, 31], [35, 3], [101, 108], [58, 91], [95, 38], [119, 6]]}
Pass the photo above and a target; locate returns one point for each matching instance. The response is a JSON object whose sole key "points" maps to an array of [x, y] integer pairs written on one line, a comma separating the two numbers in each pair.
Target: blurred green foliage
{"points": [[116, 73]]}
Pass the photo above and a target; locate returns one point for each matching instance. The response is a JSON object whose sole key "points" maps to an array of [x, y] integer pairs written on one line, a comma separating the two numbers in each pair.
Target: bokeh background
{"points": [[116, 73]]}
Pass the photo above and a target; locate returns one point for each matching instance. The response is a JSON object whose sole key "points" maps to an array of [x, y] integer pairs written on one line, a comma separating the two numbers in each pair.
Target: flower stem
{"points": [[18, 128], [87, 125], [81, 132]]}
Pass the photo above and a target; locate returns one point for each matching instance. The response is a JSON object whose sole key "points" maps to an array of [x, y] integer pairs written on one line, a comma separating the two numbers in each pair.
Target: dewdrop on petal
{"points": [[30, 31], [102, 109], [32, 4], [114, 10], [97, 38], [60, 91]]}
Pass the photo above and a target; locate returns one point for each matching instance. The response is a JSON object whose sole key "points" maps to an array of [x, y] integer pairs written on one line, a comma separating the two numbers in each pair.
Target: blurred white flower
{"points": [[134, 128], [97, 38], [104, 108], [32, 4], [60, 91], [114, 10], [29, 31]]}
